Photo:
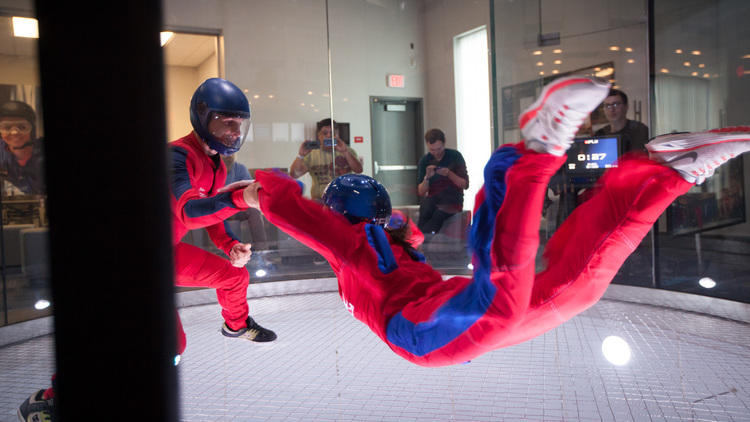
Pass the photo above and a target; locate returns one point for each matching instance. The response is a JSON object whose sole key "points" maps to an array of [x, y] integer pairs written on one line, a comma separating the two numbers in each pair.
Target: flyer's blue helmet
{"points": [[218, 98], [359, 198]]}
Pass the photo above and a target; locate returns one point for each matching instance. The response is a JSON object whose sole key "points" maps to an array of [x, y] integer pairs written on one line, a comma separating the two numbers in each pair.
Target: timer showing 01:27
{"points": [[597, 156]]}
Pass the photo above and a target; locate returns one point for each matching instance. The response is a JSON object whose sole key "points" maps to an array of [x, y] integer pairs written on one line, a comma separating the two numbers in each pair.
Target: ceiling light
{"points": [[555, 71], [558, 61], [271, 95], [707, 283], [694, 74], [614, 48], [695, 52], [309, 93], [628, 49], [664, 70], [25, 27], [557, 51], [261, 273], [604, 72], [302, 104], [165, 37], [686, 64], [746, 56], [541, 73], [701, 65], [706, 75], [596, 69], [539, 63], [470, 266], [678, 51], [631, 61], [616, 350], [256, 96], [537, 52]]}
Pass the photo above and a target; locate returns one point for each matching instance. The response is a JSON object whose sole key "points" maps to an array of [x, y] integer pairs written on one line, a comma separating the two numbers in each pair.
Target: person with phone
{"points": [[441, 181], [317, 157]]}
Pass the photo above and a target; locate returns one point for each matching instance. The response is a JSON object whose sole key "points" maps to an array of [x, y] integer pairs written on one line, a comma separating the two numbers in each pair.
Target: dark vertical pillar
{"points": [[111, 262], [655, 260]]}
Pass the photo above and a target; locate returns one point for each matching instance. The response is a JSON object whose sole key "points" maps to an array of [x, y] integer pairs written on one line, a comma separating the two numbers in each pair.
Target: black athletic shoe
{"points": [[36, 409], [252, 332]]}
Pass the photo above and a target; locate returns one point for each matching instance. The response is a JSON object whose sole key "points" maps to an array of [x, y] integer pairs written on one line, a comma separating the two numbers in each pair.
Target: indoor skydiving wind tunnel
{"points": [[87, 250]]}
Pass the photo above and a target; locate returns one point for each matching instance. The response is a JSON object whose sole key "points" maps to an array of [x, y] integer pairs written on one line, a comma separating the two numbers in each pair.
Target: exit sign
{"points": [[395, 81]]}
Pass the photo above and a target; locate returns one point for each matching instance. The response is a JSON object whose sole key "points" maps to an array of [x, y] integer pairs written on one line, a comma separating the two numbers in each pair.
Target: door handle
{"points": [[375, 167], [397, 167]]}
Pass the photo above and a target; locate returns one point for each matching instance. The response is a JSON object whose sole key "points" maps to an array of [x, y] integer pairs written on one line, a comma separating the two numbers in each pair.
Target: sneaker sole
{"points": [[531, 112], [692, 141]]}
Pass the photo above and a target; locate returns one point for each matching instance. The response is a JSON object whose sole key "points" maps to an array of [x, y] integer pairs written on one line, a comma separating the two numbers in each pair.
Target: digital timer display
{"points": [[587, 154]]}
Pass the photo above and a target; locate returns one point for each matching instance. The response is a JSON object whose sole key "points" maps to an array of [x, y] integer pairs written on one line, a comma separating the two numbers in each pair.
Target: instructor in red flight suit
{"points": [[220, 115]]}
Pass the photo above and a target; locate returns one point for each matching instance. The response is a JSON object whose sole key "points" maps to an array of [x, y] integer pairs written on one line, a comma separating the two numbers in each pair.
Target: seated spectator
{"points": [[316, 157], [442, 179], [21, 158]]}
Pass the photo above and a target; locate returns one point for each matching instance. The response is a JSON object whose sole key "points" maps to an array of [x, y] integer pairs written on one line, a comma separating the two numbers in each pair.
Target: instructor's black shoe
{"points": [[36, 408], [252, 332]]}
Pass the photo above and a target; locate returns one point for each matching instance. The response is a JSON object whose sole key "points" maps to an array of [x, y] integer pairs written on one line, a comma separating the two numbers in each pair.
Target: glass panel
{"points": [[276, 53], [537, 42], [701, 83], [23, 239]]}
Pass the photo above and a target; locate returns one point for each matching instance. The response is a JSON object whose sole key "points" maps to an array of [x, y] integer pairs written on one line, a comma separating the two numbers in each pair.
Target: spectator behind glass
{"points": [[316, 157], [633, 134], [21, 158], [441, 178], [235, 170]]}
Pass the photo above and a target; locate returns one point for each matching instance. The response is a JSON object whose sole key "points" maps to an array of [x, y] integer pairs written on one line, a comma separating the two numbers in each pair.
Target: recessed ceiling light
{"points": [[694, 74], [664, 70], [41, 304], [695, 52], [558, 61], [614, 48], [557, 51], [701, 65], [540, 63], [309, 93], [628, 49], [605, 72], [25, 27], [537, 52], [686, 64], [271, 95], [631, 61], [555, 71], [678, 51], [706, 75], [541, 73], [256, 96], [165, 36]]}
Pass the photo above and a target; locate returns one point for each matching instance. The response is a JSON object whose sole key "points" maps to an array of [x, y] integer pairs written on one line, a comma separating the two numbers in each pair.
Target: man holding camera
{"points": [[316, 157]]}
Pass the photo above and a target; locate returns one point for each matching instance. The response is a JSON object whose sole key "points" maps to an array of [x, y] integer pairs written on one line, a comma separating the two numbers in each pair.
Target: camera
{"points": [[314, 144], [329, 142]]}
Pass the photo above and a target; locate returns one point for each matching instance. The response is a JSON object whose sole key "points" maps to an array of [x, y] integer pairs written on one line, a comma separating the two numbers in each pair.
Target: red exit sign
{"points": [[395, 81]]}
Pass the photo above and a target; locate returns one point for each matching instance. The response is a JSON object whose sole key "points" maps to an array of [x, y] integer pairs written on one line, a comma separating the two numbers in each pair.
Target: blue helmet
{"points": [[359, 198], [221, 100]]}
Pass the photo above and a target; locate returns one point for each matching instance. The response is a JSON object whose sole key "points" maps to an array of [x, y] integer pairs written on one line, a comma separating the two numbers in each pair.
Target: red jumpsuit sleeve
{"points": [[316, 226], [194, 210]]}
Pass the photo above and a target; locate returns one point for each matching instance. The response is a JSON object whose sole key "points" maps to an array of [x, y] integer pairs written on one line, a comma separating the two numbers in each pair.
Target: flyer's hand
{"points": [[240, 184], [240, 254]]}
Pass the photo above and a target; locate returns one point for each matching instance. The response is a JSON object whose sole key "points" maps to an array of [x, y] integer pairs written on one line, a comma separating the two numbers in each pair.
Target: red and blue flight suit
{"points": [[432, 322], [196, 177]]}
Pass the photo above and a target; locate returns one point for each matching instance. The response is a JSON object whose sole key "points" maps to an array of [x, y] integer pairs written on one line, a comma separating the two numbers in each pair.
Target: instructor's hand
{"points": [[240, 254], [250, 195]]}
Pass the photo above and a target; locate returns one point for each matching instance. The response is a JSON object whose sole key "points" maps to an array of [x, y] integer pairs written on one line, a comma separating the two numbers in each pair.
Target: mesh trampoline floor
{"points": [[326, 366]]}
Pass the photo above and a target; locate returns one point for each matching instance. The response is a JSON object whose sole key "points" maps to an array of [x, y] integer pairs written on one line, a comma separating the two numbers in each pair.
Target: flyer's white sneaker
{"points": [[697, 155], [550, 123]]}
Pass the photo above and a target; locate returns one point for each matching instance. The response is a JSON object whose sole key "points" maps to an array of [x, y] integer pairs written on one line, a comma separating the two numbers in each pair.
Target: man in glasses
{"points": [[633, 134], [21, 159]]}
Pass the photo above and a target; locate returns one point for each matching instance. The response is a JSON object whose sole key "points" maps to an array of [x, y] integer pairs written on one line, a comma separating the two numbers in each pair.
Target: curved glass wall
{"points": [[387, 72]]}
